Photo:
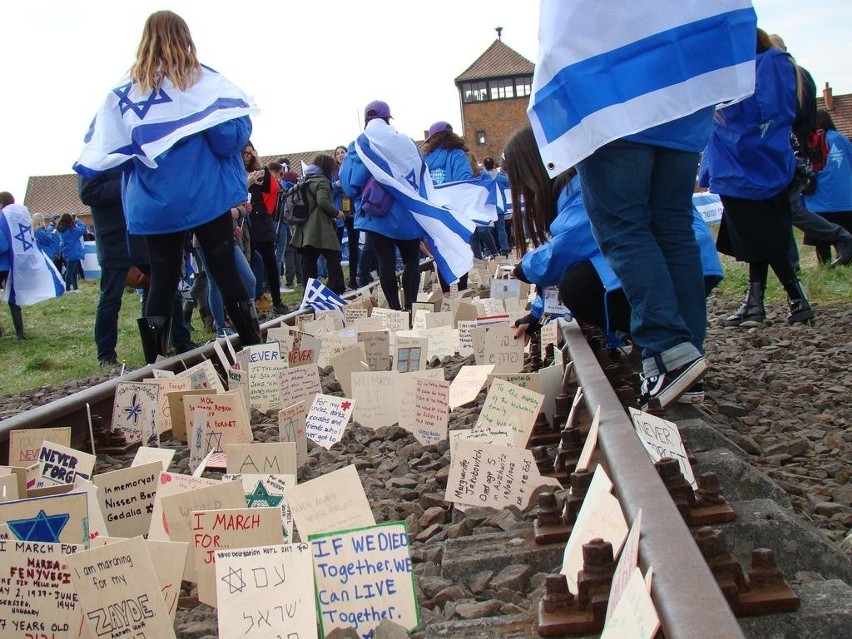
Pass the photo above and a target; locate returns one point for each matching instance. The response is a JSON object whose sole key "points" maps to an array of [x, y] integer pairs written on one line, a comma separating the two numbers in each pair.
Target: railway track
{"points": [[686, 595]]}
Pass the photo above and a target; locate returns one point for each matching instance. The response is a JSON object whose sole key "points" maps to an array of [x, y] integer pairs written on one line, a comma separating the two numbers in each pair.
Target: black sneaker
{"points": [[693, 395], [661, 390], [109, 361], [280, 309]]}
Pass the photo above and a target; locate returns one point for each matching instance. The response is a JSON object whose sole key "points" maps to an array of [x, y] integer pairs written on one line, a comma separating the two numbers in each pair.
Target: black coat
{"points": [[103, 195], [262, 224]]}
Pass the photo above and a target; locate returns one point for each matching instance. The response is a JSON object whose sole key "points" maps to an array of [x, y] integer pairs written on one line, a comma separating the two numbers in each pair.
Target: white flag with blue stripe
{"points": [[396, 164], [32, 276], [144, 125], [610, 69], [480, 198], [321, 298]]}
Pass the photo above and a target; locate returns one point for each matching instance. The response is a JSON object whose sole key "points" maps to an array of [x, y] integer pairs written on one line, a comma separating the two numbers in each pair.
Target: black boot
{"points": [[244, 318], [154, 332], [188, 305], [751, 312], [843, 246], [17, 320], [800, 308]]}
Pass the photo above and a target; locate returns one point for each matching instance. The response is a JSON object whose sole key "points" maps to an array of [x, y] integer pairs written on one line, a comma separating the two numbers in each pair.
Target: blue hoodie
{"points": [[749, 155], [448, 165], [71, 245], [834, 182]]}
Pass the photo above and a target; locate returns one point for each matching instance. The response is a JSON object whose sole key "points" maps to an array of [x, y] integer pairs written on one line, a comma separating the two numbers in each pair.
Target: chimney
{"points": [[828, 97]]}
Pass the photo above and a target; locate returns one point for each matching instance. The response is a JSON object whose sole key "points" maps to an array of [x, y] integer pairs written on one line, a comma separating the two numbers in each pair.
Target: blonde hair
{"points": [[166, 51]]}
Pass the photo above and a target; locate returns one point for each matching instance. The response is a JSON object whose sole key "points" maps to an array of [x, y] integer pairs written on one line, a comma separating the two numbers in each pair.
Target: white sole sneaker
{"points": [[663, 389]]}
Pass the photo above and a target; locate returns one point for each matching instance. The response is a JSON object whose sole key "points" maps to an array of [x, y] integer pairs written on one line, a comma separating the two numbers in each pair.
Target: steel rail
{"points": [[687, 599]]}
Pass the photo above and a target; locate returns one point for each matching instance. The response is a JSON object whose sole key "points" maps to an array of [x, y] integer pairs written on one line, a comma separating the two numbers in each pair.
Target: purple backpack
{"points": [[375, 200]]}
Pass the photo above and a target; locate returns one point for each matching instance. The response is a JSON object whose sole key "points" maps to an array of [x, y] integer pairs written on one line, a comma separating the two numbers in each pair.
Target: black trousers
{"points": [[270, 269], [310, 255], [349, 222], [166, 255], [409, 250]]}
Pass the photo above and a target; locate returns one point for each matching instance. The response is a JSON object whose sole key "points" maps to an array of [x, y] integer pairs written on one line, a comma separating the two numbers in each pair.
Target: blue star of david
{"points": [[42, 527], [262, 496], [23, 231], [411, 179], [141, 108]]}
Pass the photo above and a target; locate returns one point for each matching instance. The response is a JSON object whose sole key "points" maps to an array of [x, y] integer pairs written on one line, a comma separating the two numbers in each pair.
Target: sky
{"points": [[311, 66]]}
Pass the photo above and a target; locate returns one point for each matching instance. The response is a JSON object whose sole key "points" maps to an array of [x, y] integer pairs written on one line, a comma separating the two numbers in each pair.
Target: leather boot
{"points": [[154, 332], [800, 308], [751, 312], [17, 320], [244, 318], [188, 305], [844, 251]]}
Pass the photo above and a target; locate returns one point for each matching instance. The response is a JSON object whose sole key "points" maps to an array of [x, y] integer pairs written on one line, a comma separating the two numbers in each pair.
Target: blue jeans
{"points": [[482, 234], [214, 293], [73, 268], [106, 315], [639, 201], [502, 238]]}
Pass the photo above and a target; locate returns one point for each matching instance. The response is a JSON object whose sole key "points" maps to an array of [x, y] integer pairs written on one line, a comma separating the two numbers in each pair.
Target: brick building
{"points": [[839, 107]]}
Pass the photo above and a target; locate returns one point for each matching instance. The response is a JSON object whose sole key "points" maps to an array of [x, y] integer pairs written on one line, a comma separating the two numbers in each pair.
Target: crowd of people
{"points": [[616, 233]]}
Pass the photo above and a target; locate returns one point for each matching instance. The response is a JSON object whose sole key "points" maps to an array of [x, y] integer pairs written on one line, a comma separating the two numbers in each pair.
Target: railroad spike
{"points": [[701, 508]]}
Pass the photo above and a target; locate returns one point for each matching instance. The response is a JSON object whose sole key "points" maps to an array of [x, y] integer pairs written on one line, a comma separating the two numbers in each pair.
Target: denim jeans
{"points": [[482, 238], [639, 201], [214, 293], [502, 238], [106, 315], [73, 269]]}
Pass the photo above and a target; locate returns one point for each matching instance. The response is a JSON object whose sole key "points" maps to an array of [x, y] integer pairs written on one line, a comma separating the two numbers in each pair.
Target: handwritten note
{"points": [[24, 444], [467, 384], [172, 484], [327, 419], [59, 465], [634, 616], [509, 405], [373, 394], [298, 384], [127, 408], [291, 428], [264, 365], [127, 498], [275, 458], [661, 439]]}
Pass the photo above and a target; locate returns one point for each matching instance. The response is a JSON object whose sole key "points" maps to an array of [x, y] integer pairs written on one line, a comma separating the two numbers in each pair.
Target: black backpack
{"points": [[293, 206]]}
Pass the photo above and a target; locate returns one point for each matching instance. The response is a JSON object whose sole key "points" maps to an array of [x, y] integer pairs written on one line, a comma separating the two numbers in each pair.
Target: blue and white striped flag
{"points": [[610, 69], [145, 125], [480, 198], [395, 162], [321, 298], [32, 277]]}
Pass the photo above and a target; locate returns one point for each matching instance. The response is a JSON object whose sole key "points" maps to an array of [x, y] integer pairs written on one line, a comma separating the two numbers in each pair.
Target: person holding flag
{"points": [[629, 100]]}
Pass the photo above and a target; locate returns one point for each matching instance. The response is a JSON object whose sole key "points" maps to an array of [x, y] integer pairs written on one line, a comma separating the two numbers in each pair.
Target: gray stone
{"points": [[842, 495], [343, 633], [515, 577], [433, 515], [731, 410], [738, 480], [480, 581], [793, 447], [431, 586], [830, 508], [702, 437], [478, 609], [389, 630]]}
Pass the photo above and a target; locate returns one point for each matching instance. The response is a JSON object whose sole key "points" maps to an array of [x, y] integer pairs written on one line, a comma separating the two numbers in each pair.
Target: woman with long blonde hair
{"points": [[182, 174]]}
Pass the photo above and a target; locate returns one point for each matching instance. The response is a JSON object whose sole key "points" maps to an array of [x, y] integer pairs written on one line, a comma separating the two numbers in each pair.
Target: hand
{"points": [[248, 207], [238, 232], [341, 215], [521, 331]]}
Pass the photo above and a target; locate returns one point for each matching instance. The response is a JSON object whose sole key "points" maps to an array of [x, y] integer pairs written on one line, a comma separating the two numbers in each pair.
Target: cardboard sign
{"points": [[410, 353], [505, 288], [370, 324], [351, 314], [120, 577], [334, 344], [394, 321], [299, 384], [327, 419], [465, 345], [406, 386], [549, 334], [382, 587], [591, 441], [376, 349], [467, 384], [37, 598], [149, 426], [267, 491], [509, 405], [229, 528], [238, 380], [24, 444], [8, 486], [172, 484], [145, 455], [271, 458], [547, 381], [130, 397], [552, 302], [345, 364], [178, 418], [96, 519], [493, 475], [227, 419], [127, 498], [431, 404], [53, 519], [375, 403], [443, 341], [600, 516], [502, 349], [167, 385], [200, 446], [59, 465], [203, 376], [634, 615], [291, 428], [260, 591], [661, 439], [264, 366], [178, 513], [334, 501], [626, 563]]}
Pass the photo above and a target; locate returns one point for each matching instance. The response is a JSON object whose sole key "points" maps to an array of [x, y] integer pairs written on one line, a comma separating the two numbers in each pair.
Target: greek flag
{"points": [[133, 124], [32, 277], [610, 69], [321, 298], [395, 162]]}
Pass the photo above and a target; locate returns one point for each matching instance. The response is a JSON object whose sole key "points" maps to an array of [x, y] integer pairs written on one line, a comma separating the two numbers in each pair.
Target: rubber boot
{"points": [[188, 305], [17, 320], [154, 332], [244, 319], [800, 308], [751, 312]]}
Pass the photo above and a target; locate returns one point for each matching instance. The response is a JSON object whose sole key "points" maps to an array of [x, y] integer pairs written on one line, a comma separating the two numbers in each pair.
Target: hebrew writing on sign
{"points": [[267, 491], [262, 590], [291, 428], [127, 498], [327, 419], [364, 576], [334, 501], [59, 465], [119, 591], [661, 439], [509, 405], [24, 444]]}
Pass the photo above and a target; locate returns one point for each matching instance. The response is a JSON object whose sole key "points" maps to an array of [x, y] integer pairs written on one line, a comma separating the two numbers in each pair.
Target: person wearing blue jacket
{"points": [[832, 198], [6, 258], [396, 230], [749, 162], [71, 231]]}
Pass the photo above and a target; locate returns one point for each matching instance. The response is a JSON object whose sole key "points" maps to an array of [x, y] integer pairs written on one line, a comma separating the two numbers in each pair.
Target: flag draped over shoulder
{"points": [[480, 199], [610, 69], [131, 123], [32, 277], [321, 298], [396, 164]]}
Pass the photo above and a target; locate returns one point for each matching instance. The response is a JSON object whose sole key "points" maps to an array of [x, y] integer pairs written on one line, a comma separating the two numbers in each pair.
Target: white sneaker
{"points": [[288, 290]]}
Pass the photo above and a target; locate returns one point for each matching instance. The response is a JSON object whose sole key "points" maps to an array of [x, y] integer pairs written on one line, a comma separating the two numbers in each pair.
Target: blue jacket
{"points": [[5, 250], [749, 155], [71, 242], [398, 224], [47, 241], [834, 182], [195, 181], [448, 165]]}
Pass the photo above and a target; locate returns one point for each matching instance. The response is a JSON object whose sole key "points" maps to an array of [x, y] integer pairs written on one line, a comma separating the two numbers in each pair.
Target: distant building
{"points": [[839, 107]]}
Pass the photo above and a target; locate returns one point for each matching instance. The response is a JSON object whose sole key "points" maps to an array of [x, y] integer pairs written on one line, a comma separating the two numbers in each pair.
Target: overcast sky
{"points": [[311, 66]]}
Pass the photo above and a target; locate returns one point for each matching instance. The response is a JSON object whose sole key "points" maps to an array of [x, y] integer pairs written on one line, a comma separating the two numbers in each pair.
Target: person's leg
{"points": [[385, 250], [17, 320], [335, 271], [627, 217], [410, 252], [583, 293], [267, 253], [180, 337], [322, 269], [352, 236], [309, 257], [257, 267], [475, 244], [800, 308], [366, 261], [214, 295], [106, 315], [502, 238], [166, 254], [487, 239]]}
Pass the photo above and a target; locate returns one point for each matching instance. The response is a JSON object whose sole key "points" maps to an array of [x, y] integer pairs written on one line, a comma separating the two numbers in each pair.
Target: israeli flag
{"points": [[321, 298], [395, 162], [610, 69], [33, 277], [133, 124], [479, 199]]}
